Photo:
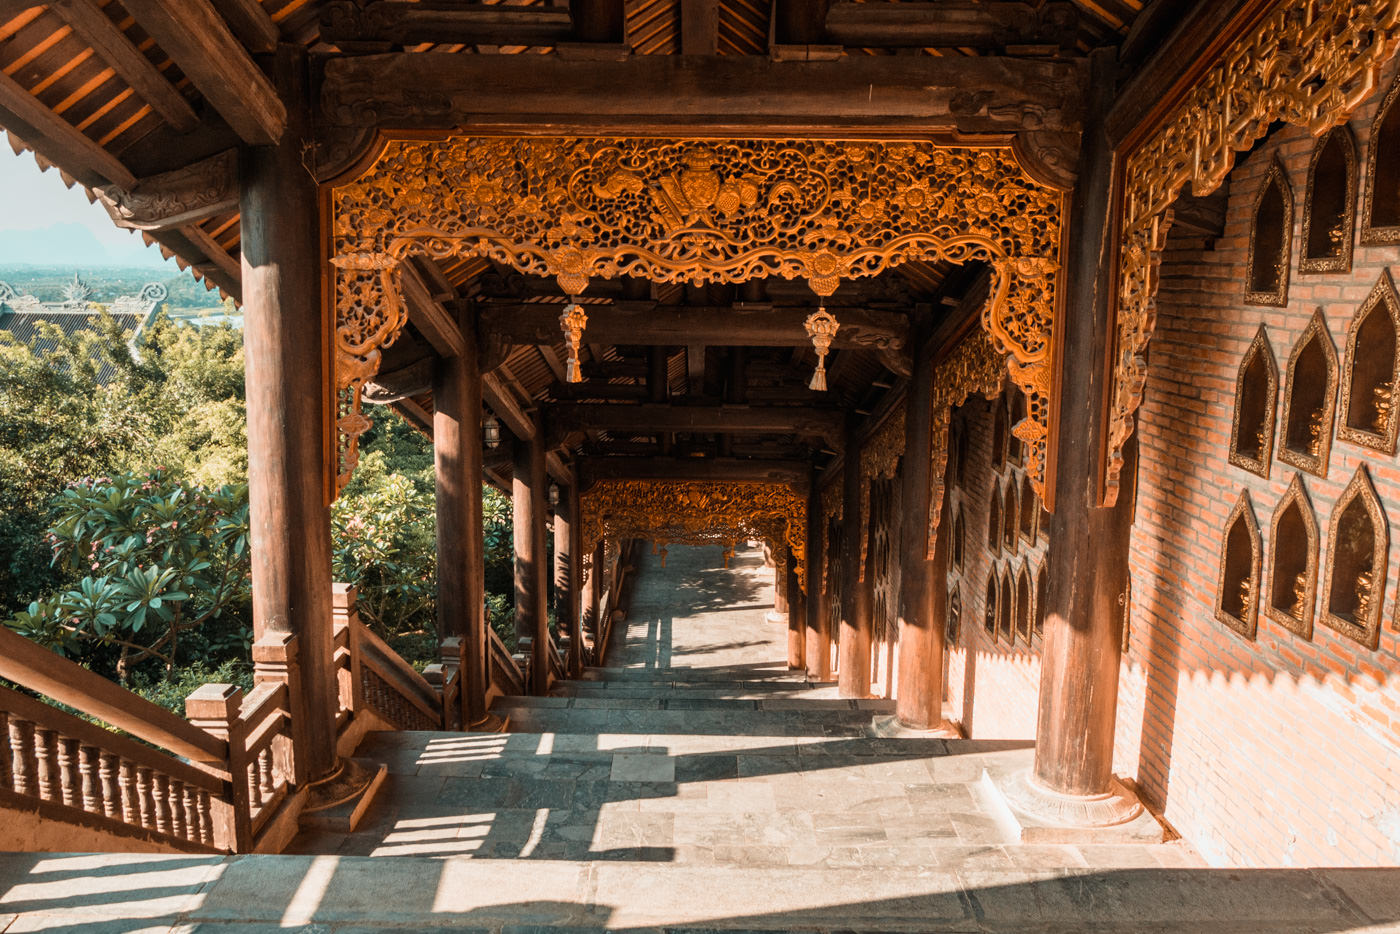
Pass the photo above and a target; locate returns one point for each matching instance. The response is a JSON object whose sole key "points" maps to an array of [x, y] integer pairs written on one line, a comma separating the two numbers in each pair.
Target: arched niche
{"points": [[1024, 610], [1380, 220], [999, 433], [1009, 498], [1310, 399], [1256, 399], [1028, 513], [1292, 589], [989, 619], [1270, 239], [1237, 593], [954, 623], [1371, 375], [1329, 206], [958, 542], [1357, 553], [1005, 606], [994, 518], [1042, 592], [1016, 451]]}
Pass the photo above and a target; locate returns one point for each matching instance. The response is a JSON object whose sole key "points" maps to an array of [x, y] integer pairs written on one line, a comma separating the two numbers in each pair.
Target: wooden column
{"points": [[567, 554], [458, 461], [797, 615], [816, 654], [531, 576], [1088, 556], [923, 590], [853, 646], [287, 378]]}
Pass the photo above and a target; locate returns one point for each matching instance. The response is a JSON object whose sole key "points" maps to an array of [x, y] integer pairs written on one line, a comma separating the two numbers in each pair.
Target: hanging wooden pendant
{"points": [[821, 328], [572, 322]]}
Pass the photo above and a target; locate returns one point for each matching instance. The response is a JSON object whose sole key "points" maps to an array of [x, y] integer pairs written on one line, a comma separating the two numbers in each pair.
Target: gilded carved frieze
{"points": [[697, 512], [707, 211], [1307, 63], [974, 366]]}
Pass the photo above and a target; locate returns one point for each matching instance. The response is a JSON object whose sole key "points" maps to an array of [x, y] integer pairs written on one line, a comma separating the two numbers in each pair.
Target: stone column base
{"points": [[339, 801], [890, 725], [1037, 814], [774, 616]]}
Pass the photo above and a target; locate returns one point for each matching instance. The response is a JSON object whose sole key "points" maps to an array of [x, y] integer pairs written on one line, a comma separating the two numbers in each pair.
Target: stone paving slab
{"points": [[97, 894]]}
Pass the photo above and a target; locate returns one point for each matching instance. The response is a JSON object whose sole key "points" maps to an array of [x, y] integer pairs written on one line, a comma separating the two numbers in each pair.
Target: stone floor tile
{"points": [[643, 768], [92, 887]]}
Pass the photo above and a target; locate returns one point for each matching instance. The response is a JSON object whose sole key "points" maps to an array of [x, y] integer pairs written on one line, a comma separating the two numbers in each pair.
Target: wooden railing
{"points": [[610, 601], [224, 778]]}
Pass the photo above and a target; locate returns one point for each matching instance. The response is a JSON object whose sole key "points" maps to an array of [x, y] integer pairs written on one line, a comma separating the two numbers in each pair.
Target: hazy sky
{"points": [[42, 221]]}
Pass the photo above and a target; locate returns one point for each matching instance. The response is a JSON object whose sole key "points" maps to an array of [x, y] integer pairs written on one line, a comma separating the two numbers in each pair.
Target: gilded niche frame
{"points": [[1248, 392], [1317, 450], [1246, 586], [578, 207], [1303, 589], [1276, 180], [1345, 233], [1382, 300]]}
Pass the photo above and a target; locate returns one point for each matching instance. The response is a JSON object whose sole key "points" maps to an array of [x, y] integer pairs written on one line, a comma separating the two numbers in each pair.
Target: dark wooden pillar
{"points": [[923, 591], [592, 594], [287, 379], [853, 646], [567, 554], [458, 461], [817, 653], [531, 576], [1088, 555], [797, 615]]}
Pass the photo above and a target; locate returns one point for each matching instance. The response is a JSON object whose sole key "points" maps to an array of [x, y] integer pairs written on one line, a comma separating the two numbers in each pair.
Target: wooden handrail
{"points": [[30, 665], [389, 665], [501, 658]]}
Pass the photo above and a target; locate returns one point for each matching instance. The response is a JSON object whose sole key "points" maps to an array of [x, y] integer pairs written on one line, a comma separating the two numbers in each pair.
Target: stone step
{"points": [[683, 715], [256, 893], [764, 672], [751, 690], [687, 700]]}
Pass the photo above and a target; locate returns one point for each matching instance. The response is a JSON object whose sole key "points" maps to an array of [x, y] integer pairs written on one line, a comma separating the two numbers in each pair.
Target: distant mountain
{"points": [[71, 244]]}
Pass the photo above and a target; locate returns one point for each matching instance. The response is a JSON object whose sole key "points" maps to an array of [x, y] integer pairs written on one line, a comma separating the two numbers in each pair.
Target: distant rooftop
{"points": [[21, 315]]}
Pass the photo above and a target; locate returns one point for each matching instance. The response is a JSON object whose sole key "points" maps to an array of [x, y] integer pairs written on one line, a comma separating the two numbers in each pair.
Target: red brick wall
{"points": [[1279, 750], [991, 688]]}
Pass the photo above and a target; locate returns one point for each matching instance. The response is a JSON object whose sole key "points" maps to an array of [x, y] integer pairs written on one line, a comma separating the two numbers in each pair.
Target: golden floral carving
{"points": [[720, 211], [697, 512], [974, 366], [1306, 62]]}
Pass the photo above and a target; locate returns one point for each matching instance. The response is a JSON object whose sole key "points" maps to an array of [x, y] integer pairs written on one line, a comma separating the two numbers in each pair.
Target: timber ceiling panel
{"points": [[743, 27], [653, 26]]}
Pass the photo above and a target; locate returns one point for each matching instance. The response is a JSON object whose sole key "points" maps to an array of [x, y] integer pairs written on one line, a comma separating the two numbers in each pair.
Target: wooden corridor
{"points": [[700, 748]]}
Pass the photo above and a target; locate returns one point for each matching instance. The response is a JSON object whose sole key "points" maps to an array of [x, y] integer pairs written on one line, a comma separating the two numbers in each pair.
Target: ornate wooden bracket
{"points": [[1307, 63], [712, 211], [697, 512]]}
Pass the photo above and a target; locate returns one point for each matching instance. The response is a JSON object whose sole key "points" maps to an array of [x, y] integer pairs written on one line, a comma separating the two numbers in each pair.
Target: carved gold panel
{"points": [[697, 512], [578, 208], [1305, 62]]}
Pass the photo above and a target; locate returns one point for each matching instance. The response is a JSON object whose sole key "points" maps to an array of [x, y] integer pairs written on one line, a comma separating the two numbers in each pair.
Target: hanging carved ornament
{"points": [[974, 366], [710, 211], [879, 460], [697, 512], [1307, 63], [821, 328], [572, 322]]}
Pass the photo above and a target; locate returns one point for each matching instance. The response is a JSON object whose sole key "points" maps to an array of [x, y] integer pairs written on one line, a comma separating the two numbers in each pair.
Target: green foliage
{"points": [[149, 560], [383, 540], [170, 691]]}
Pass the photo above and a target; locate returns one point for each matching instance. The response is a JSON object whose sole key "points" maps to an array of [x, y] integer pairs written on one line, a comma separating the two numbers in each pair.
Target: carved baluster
{"points": [[126, 779], [68, 774], [206, 819], [46, 755], [22, 748], [175, 798], [145, 797], [7, 777], [265, 773], [92, 791], [160, 791], [254, 792], [192, 829], [111, 794]]}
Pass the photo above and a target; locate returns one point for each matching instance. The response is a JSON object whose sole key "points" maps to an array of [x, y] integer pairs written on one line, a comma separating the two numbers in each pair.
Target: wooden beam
{"points": [[196, 37], [950, 24], [251, 24], [92, 25], [593, 469], [566, 418], [650, 324], [437, 325], [216, 255], [985, 94], [33, 123], [699, 27], [397, 23], [175, 199]]}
